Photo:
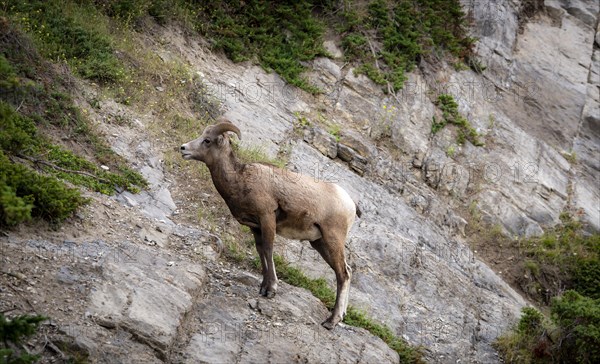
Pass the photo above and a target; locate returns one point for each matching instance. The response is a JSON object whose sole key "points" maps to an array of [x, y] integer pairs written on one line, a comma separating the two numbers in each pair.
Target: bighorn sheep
{"points": [[272, 201]]}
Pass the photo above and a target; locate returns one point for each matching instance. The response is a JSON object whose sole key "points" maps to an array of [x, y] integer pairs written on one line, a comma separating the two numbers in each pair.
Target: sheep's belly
{"points": [[310, 234]]}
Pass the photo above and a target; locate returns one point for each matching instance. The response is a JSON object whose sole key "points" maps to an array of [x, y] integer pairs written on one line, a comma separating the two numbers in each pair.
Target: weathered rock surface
{"points": [[528, 111], [410, 275], [542, 92], [149, 295], [322, 140], [233, 324]]}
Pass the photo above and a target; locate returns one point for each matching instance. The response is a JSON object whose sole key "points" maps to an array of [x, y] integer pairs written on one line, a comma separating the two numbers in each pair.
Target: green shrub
{"points": [[18, 136], [572, 335], [15, 209], [27, 194], [400, 34], [281, 35], [14, 331], [586, 277], [131, 12], [71, 166], [450, 115], [355, 45], [567, 257], [578, 318], [17, 133], [8, 76], [564, 257], [49, 106], [531, 321]]}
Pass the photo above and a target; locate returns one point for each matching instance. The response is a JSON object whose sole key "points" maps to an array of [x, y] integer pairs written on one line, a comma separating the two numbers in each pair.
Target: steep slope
{"points": [[144, 283]]}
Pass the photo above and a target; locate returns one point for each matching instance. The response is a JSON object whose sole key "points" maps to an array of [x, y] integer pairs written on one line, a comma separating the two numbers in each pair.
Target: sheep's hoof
{"points": [[330, 323], [266, 292]]}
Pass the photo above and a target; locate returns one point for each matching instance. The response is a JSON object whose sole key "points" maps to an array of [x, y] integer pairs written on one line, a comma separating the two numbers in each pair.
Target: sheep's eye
{"points": [[206, 141]]}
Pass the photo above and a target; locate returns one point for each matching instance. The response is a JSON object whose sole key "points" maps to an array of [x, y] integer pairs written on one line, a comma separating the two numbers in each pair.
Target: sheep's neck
{"points": [[225, 175]]}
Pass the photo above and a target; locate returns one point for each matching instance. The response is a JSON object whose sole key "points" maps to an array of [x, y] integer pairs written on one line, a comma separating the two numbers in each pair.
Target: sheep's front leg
{"points": [[261, 256], [267, 229]]}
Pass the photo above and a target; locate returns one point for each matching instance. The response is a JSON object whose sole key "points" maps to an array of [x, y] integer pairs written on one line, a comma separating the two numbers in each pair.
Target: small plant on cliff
{"points": [[12, 333], [451, 115]]}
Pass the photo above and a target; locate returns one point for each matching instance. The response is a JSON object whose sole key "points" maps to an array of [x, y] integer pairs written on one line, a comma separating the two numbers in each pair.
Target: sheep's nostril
{"points": [[183, 147]]}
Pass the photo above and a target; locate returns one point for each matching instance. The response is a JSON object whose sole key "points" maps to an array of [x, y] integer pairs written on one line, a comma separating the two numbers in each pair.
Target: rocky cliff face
{"points": [[536, 106]]}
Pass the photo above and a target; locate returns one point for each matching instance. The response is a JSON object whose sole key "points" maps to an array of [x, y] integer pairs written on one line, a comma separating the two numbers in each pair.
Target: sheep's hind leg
{"points": [[332, 251], [261, 255], [267, 228]]}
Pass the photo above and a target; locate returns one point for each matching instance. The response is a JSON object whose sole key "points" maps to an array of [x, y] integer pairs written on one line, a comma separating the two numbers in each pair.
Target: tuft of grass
{"points": [[408, 354], [532, 267], [236, 252], [294, 276], [335, 130], [60, 36], [256, 154], [451, 151], [571, 156], [450, 115]]}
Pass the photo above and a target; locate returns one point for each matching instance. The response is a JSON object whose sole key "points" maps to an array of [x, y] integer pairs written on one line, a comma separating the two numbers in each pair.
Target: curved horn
{"points": [[224, 126]]}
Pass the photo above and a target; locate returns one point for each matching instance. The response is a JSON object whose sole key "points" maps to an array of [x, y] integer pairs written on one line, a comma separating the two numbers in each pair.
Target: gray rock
{"points": [[333, 49], [145, 296], [357, 162], [322, 140], [154, 237], [359, 143], [284, 329], [65, 275], [346, 153]]}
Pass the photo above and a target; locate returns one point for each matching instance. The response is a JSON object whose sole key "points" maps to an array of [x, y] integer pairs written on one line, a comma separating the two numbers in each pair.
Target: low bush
{"points": [[280, 35], [571, 335], [578, 320], [389, 38], [26, 194], [13, 332]]}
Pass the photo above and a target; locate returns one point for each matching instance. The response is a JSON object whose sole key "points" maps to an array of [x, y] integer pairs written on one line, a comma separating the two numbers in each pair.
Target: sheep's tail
{"points": [[358, 211]]}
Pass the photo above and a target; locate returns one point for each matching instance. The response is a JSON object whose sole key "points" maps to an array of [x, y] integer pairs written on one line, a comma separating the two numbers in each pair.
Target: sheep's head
{"points": [[211, 145]]}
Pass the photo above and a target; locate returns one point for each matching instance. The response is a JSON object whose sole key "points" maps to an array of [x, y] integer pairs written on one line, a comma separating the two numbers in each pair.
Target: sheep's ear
{"points": [[220, 140]]}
